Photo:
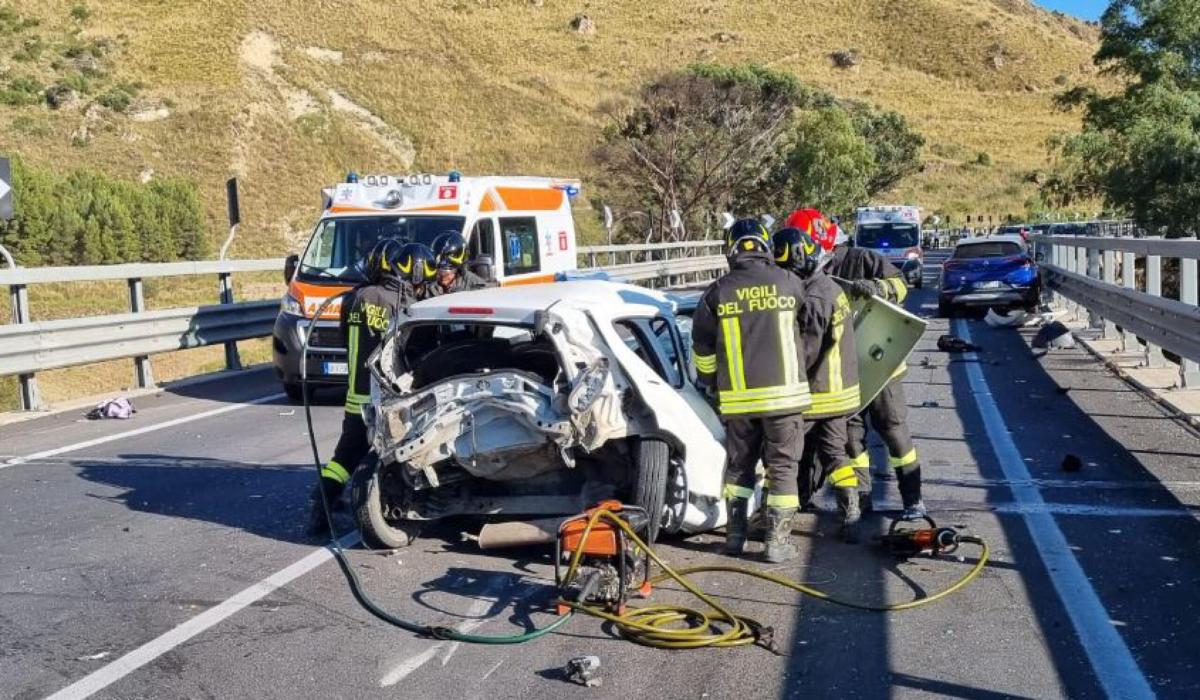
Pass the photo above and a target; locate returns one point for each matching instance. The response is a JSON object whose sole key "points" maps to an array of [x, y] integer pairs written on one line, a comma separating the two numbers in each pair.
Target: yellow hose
{"points": [[680, 627]]}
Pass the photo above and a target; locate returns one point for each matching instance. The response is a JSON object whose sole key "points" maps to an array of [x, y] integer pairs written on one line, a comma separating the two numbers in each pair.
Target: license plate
{"points": [[335, 368], [994, 284]]}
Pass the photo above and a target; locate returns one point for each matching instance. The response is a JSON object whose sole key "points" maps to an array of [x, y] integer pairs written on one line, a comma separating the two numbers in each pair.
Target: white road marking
{"points": [[15, 461], [118, 669], [478, 609], [1111, 660]]}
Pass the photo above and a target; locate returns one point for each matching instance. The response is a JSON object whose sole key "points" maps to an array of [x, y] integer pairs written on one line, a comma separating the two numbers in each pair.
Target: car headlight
{"points": [[290, 305], [913, 255], [588, 387]]}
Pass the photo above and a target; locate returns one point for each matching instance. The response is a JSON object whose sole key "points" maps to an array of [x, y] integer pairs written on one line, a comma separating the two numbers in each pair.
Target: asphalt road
{"points": [[164, 557]]}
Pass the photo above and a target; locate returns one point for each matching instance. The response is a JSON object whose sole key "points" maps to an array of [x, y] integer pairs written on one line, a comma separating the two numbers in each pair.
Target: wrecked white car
{"points": [[538, 400]]}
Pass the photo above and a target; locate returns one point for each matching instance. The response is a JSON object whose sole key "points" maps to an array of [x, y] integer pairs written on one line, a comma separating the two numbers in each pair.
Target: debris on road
{"points": [[1013, 319], [94, 657], [952, 343], [582, 670], [1071, 463], [119, 408], [1054, 335], [930, 404], [288, 413]]}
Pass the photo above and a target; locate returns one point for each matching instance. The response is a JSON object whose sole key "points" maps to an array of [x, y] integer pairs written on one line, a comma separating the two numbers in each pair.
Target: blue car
{"points": [[992, 272]]}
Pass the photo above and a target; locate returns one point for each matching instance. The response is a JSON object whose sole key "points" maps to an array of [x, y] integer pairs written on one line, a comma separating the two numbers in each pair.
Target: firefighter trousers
{"points": [[825, 456], [779, 442], [352, 448], [888, 416]]}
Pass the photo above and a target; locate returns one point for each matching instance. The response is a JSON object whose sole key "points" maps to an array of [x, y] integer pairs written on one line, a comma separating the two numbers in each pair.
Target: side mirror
{"points": [[289, 267]]}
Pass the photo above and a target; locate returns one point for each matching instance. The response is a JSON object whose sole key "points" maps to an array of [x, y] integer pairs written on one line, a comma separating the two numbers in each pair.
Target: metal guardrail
{"points": [[1101, 276], [33, 347], [28, 347]]}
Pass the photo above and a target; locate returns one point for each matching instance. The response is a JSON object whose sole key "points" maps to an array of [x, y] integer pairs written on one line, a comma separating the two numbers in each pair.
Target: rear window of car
{"points": [[997, 249]]}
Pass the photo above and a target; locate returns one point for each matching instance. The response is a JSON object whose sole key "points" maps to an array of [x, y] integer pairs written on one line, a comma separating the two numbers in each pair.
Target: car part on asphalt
{"points": [[1054, 335], [952, 343]]}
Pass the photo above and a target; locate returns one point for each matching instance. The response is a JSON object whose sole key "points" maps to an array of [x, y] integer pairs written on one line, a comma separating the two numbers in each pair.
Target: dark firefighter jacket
{"points": [[464, 281], [852, 264], [366, 316], [831, 356], [746, 339]]}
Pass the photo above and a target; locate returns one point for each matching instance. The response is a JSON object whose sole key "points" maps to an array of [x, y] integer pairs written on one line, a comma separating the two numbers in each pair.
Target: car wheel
{"points": [[650, 484], [295, 392], [366, 496]]}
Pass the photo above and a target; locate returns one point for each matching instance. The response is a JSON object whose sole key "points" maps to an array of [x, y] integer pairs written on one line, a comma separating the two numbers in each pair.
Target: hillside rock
{"points": [[582, 24], [849, 58], [61, 97], [725, 37], [148, 111]]}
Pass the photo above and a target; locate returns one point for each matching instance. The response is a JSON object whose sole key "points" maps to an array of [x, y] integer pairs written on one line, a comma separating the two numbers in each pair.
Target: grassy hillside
{"points": [[288, 95]]}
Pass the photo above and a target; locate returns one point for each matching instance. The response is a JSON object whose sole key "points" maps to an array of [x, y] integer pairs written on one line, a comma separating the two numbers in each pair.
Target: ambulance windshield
{"points": [[340, 245], [887, 236]]}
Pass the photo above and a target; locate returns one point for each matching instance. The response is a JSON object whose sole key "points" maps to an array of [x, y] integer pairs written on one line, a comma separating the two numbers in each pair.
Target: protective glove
{"points": [[863, 289]]}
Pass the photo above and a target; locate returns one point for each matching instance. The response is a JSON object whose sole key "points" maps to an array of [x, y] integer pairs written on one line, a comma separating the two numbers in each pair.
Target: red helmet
{"points": [[813, 223]]}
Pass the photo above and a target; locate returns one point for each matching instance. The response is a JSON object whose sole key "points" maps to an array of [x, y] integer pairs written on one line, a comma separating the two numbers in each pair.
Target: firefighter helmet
{"points": [[381, 260], [451, 250], [795, 250], [813, 223], [417, 263], [746, 235]]}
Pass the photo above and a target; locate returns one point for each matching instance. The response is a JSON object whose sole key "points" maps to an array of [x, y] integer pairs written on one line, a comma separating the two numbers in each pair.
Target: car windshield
{"points": [[887, 236], [990, 249], [339, 245]]}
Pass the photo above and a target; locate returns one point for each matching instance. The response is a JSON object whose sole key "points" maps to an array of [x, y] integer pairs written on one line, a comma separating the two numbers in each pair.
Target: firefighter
{"points": [[747, 348], [418, 268], [831, 359], [450, 250], [865, 274], [367, 312]]}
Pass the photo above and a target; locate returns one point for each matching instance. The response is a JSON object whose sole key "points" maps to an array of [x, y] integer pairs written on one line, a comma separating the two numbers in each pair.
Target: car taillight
{"points": [[472, 310]]}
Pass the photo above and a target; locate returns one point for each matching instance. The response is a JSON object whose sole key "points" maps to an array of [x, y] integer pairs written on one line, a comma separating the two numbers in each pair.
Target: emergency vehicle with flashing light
{"points": [[895, 233], [519, 230]]}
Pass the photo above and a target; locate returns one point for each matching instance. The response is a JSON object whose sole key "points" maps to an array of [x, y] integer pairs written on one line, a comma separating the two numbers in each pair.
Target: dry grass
{"points": [[505, 86]]}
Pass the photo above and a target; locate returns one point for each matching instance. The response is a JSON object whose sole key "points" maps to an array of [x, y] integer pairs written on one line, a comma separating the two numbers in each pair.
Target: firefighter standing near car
{"points": [[865, 274], [747, 349], [450, 250], [366, 314], [831, 360]]}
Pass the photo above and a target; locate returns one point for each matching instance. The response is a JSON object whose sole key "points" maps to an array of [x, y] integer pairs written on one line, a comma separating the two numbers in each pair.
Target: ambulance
{"points": [[519, 230], [895, 233]]}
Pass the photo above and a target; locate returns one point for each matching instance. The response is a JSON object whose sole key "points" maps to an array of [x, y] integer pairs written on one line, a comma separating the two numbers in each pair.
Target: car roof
{"points": [[996, 238], [520, 303]]}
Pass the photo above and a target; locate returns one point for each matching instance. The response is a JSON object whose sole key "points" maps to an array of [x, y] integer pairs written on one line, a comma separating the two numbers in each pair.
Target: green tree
{"points": [[1140, 147], [830, 164], [895, 146]]}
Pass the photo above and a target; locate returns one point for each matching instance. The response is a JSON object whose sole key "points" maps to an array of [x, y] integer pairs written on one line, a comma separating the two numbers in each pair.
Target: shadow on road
{"points": [[266, 500]]}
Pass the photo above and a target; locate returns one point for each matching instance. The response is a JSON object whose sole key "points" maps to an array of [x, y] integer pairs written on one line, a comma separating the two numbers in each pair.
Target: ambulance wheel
{"points": [[650, 483], [378, 532]]}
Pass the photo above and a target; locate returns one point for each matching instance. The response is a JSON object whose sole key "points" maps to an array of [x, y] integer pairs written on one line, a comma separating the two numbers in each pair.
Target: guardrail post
{"points": [[1110, 277], [1129, 281], [1079, 267], [31, 398], [1189, 373], [1093, 271], [141, 363], [232, 361], [1154, 354]]}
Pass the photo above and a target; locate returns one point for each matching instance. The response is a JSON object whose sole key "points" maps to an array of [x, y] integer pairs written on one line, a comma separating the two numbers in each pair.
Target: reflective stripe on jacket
{"points": [[827, 326], [746, 339]]}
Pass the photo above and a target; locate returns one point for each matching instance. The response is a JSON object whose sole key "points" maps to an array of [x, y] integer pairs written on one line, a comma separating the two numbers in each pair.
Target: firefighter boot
{"points": [[909, 479], [779, 535], [317, 524], [736, 526], [847, 500]]}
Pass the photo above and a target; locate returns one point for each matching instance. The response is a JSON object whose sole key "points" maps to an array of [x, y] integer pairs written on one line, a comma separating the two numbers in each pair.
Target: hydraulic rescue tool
{"points": [[608, 561]]}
